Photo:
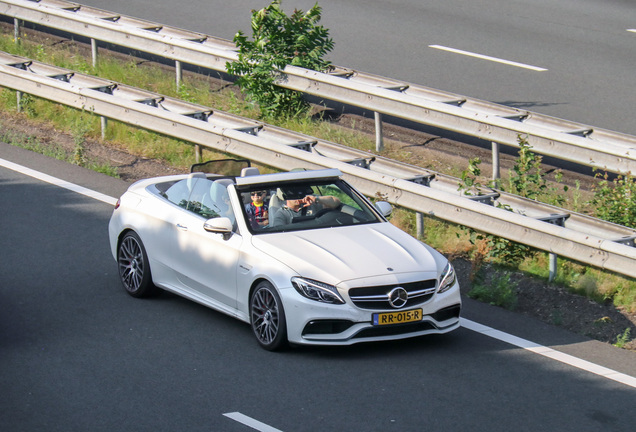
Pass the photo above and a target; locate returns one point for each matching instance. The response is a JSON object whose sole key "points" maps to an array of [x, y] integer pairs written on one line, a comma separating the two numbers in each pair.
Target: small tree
{"points": [[528, 180], [278, 41]]}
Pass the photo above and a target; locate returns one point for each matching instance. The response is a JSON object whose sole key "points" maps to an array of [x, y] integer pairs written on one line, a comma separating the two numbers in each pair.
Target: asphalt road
{"points": [[78, 354], [584, 45]]}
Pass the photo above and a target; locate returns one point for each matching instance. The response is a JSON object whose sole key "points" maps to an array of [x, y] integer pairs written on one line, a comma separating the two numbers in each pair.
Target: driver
{"points": [[308, 205]]}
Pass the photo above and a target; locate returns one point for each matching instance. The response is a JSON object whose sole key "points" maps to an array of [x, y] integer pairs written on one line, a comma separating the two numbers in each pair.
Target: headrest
{"points": [[249, 171]]}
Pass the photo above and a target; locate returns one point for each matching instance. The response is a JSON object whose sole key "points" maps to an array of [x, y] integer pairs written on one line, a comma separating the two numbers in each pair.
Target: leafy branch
{"points": [[279, 40]]}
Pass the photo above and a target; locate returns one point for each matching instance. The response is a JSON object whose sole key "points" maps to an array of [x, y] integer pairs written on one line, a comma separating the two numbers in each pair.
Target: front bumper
{"points": [[313, 323]]}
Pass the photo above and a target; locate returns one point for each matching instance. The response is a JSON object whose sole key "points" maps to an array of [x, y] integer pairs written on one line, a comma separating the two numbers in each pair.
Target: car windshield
{"points": [[303, 206]]}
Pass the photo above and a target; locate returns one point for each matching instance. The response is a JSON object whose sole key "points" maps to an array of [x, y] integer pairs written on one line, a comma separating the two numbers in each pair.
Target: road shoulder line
{"points": [[58, 182], [549, 352]]}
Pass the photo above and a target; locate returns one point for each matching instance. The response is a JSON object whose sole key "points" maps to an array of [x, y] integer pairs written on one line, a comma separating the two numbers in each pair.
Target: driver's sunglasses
{"points": [[258, 193]]}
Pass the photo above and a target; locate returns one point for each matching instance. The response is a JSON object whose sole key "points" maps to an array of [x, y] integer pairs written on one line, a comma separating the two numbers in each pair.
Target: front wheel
{"points": [[134, 269], [268, 317]]}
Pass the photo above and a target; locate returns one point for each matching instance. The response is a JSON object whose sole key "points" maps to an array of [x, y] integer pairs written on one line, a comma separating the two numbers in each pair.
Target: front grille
{"points": [[377, 297]]}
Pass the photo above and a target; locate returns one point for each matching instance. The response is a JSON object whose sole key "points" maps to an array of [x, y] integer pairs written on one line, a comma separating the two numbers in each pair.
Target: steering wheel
{"points": [[323, 211]]}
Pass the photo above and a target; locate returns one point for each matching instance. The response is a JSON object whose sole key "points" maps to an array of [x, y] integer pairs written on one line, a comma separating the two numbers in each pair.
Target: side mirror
{"points": [[219, 225], [384, 208]]}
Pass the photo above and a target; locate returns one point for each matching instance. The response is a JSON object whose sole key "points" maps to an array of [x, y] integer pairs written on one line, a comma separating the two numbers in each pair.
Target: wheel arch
{"points": [[122, 234], [256, 282], [253, 286]]}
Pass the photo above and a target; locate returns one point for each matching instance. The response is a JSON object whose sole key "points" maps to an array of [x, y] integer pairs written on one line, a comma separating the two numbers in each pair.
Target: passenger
{"points": [[309, 205], [257, 211]]}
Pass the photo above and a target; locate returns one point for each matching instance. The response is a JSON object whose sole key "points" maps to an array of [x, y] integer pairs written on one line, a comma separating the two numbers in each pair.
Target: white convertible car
{"points": [[301, 256]]}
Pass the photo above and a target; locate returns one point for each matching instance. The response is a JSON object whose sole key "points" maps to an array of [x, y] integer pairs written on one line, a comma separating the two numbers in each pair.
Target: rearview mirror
{"points": [[384, 208], [219, 225]]}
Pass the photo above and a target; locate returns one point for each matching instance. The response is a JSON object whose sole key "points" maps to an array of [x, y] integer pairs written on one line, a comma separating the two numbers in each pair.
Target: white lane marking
{"points": [[471, 325], [58, 182], [550, 353], [485, 57], [249, 421]]}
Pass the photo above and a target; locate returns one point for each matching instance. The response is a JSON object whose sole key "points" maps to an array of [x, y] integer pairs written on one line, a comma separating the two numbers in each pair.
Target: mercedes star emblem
{"points": [[398, 297]]}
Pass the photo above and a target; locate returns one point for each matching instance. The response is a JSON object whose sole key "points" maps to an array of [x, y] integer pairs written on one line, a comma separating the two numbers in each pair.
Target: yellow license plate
{"points": [[400, 317]]}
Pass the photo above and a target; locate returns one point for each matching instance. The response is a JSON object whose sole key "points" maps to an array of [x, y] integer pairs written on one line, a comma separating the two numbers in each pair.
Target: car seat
{"points": [[276, 202], [249, 171]]}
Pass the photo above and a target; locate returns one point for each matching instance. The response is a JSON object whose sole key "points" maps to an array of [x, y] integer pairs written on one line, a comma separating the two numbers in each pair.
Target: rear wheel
{"points": [[268, 317], [134, 270]]}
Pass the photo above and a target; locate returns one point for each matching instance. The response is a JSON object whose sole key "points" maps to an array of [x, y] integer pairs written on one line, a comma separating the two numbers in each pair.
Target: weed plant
{"points": [[623, 339], [615, 200], [495, 288]]}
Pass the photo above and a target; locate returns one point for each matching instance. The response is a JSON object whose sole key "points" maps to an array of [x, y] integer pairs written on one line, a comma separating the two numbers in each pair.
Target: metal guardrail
{"points": [[575, 236], [561, 139]]}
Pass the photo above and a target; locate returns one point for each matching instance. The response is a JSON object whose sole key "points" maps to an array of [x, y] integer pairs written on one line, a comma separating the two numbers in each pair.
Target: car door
{"points": [[160, 231], [206, 263]]}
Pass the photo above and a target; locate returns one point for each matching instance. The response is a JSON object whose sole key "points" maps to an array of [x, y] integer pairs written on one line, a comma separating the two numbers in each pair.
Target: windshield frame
{"points": [[353, 208]]}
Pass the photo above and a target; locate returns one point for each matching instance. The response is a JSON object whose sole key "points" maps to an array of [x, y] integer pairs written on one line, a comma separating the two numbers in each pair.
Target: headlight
{"points": [[318, 291], [447, 279]]}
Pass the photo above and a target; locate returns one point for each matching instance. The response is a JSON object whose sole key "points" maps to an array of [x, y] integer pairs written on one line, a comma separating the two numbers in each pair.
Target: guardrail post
{"points": [[104, 123], [94, 52], [553, 267], [177, 66], [197, 153], [495, 161], [16, 30], [419, 225], [379, 141], [16, 37]]}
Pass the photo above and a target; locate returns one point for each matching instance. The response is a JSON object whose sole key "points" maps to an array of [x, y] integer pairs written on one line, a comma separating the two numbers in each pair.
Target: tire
{"points": [[267, 317], [134, 269]]}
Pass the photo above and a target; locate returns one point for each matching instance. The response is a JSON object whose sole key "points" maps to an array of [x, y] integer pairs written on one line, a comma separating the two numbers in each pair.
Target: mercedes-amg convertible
{"points": [[301, 256]]}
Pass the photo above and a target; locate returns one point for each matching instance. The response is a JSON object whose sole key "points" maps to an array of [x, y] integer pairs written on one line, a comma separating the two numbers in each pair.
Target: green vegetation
{"points": [[623, 339], [495, 288], [33, 144], [615, 201], [279, 40], [527, 179], [489, 247], [450, 239]]}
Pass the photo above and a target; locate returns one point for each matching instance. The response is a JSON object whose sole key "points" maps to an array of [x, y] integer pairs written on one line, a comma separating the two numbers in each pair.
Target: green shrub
{"points": [[494, 288], [615, 201], [278, 41], [528, 180]]}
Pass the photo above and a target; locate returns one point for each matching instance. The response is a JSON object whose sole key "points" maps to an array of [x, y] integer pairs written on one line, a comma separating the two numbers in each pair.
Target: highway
{"points": [[78, 353], [580, 52]]}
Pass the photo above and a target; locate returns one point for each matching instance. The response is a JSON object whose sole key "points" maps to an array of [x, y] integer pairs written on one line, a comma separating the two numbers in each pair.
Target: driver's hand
{"points": [[308, 200]]}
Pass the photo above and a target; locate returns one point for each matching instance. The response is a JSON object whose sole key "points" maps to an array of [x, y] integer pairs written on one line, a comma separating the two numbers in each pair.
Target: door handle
{"points": [[181, 227]]}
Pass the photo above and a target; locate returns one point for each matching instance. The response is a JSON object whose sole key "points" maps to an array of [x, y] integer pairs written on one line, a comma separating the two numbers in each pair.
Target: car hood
{"points": [[335, 255]]}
